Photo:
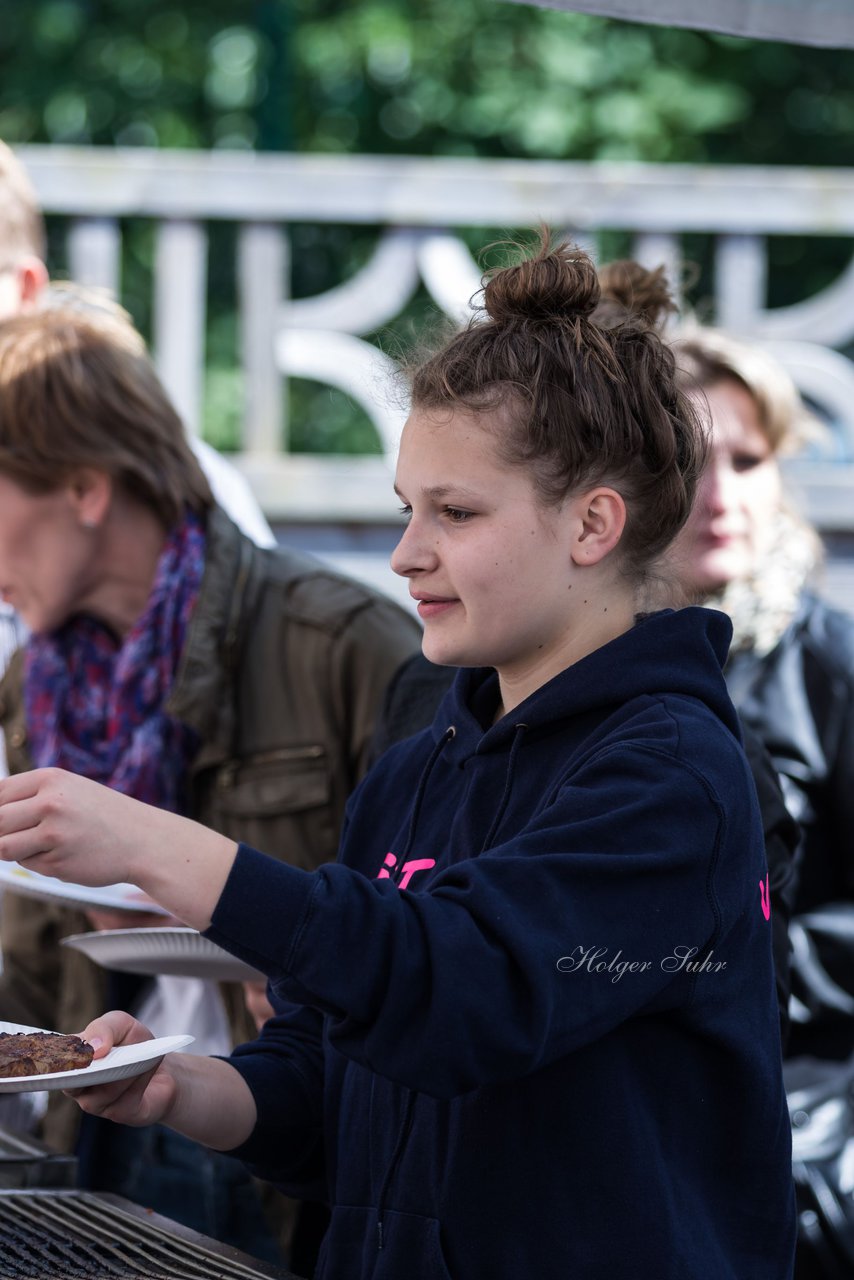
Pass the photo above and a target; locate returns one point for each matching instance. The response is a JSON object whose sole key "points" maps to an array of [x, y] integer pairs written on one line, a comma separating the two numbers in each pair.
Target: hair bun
{"points": [[557, 283], [630, 290]]}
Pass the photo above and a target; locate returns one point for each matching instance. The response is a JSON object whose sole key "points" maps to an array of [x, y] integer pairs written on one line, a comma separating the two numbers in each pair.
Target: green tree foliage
{"points": [[461, 77], [426, 76]]}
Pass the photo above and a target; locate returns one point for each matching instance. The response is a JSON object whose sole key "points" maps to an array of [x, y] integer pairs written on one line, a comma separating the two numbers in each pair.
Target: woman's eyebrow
{"points": [[439, 491]]}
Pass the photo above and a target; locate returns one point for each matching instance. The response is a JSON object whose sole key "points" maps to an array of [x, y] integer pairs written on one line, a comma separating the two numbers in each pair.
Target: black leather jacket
{"points": [[800, 701]]}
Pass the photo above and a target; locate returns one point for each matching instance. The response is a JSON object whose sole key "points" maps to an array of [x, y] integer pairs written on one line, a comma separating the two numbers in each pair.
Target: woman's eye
{"points": [[405, 510], [747, 461], [456, 516]]}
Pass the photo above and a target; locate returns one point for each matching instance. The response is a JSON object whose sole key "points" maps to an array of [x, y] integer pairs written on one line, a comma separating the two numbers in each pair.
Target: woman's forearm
{"points": [[182, 865], [213, 1104]]}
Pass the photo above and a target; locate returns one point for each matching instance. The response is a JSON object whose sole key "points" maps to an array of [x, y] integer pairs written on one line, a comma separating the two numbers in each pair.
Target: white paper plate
{"points": [[120, 1064], [123, 897], [171, 953]]}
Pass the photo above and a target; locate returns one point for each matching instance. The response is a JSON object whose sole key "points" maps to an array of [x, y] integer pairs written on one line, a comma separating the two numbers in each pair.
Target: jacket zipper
{"points": [[237, 614]]}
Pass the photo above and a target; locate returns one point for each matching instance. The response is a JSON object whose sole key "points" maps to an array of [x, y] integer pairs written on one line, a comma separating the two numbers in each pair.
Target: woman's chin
{"points": [[442, 654], [439, 658], [714, 573]]}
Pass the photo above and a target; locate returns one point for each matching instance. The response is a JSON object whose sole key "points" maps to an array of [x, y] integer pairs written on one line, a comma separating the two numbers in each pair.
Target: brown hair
{"points": [[586, 403], [628, 289], [21, 223], [77, 389]]}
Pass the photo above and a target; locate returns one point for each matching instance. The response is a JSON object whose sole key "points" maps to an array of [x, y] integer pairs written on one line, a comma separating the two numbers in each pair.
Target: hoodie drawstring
{"points": [[508, 786], [403, 1134], [438, 748]]}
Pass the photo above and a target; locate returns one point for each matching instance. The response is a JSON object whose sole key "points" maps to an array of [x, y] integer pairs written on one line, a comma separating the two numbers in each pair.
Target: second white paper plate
{"points": [[171, 953]]}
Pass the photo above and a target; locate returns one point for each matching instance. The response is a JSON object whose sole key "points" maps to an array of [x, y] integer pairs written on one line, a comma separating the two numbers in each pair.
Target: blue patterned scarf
{"points": [[94, 704]]}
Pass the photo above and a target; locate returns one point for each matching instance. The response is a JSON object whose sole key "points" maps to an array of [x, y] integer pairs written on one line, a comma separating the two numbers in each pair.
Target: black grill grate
{"points": [[70, 1235]]}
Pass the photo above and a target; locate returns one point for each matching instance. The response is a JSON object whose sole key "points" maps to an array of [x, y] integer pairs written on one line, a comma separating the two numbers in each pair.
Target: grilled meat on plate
{"points": [[34, 1053]]}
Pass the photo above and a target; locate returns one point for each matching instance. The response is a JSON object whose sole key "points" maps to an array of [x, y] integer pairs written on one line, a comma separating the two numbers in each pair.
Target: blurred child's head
{"points": [[23, 274]]}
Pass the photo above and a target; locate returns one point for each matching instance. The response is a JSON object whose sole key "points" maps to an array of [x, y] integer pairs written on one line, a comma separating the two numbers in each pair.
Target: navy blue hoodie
{"points": [[531, 1027]]}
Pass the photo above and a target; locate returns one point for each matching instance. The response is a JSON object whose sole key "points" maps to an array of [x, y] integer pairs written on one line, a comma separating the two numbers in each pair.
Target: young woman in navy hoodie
{"points": [[526, 1025]]}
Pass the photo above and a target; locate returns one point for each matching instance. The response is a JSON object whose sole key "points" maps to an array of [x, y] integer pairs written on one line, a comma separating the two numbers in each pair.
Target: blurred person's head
{"points": [[23, 275], [95, 469], [755, 415]]}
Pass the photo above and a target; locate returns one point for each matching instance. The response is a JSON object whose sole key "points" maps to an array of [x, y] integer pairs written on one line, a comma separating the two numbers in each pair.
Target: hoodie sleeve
{"points": [[502, 965], [285, 1072]]}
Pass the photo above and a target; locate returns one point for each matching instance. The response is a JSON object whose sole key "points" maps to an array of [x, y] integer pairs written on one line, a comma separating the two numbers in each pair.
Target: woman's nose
{"points": [[413, 553], [716, 490]]}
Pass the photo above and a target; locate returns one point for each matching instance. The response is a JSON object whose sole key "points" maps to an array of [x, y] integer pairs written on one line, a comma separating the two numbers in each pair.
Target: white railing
{"points": [[421, 204]]}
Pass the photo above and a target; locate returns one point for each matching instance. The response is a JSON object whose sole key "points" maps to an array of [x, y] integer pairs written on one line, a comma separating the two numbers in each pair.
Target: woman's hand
{"points": [[144, 1099], [203, 1098], [62, 825]]}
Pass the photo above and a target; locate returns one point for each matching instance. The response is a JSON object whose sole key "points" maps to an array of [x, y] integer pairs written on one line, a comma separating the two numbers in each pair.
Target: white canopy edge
{"points": [[829, 23]]}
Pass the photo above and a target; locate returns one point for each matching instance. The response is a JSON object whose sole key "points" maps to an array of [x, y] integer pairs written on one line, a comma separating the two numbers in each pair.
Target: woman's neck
{"points": [[130, 542], [607, 617]]}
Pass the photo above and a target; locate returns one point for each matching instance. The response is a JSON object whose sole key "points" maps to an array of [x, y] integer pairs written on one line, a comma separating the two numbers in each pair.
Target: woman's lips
{"points": [[433, 606], [716, 540]]}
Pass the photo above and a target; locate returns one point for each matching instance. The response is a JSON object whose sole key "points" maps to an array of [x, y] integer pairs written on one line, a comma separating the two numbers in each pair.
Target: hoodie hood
{"points": [[635, 664]]}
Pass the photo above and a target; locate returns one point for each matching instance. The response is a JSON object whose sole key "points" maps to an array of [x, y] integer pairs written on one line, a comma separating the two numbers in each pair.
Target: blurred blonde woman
{"points": [[745, 551]]}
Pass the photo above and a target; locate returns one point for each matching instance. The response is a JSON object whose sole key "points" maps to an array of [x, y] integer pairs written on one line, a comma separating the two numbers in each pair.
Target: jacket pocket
{"points": [[411, 1247], [284, 781], [278, 801]]}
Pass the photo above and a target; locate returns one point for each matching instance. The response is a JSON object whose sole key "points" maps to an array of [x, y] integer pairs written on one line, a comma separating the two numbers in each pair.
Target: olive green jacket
{"points": [[282, 676]]}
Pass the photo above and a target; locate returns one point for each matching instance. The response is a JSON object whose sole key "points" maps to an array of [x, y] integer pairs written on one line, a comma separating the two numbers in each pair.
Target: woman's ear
{"points": [[31, 281], [91, 493], [600, 517]]}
